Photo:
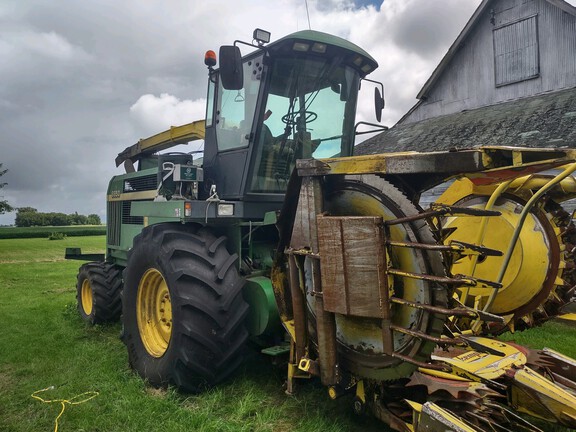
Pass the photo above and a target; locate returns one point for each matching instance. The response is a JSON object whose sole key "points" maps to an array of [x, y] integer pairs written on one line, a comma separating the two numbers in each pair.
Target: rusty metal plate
{"points": [[352, 264]]}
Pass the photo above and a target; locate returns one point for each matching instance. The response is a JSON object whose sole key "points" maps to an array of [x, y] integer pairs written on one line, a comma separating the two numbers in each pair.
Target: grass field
{"points": [[44, 343]]}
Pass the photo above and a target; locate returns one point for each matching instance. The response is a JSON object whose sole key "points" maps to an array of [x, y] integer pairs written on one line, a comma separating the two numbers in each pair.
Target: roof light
{"points": [[319, 47], [261, 36], [301, 46], [358, 60], [367, 68], [210, 58]]}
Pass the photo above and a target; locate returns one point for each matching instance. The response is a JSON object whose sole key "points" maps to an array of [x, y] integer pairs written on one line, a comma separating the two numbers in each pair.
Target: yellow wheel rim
{"points": [[154, 313], [86, 299]]}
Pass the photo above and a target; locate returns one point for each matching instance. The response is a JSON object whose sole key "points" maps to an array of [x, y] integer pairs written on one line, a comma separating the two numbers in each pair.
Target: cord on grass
{"points": [[76, 400]]}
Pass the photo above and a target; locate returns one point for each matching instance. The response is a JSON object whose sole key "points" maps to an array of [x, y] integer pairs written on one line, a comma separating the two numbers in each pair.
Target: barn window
{"points": [[516, 52]]}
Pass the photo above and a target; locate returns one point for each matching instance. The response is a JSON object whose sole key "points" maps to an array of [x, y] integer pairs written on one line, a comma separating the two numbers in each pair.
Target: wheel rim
{"points": [[87, 299], [154, 313]]}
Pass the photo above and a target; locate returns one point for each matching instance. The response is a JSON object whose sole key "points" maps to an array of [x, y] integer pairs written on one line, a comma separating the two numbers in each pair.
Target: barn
{"points": [[508, 79]]}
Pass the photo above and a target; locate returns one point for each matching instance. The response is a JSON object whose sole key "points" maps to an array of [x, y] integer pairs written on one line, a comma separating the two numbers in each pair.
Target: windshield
{"points": [[309, 114]]}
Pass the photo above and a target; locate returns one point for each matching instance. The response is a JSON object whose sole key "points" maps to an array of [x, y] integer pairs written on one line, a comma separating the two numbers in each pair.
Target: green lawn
{"points": [[44, 343]]}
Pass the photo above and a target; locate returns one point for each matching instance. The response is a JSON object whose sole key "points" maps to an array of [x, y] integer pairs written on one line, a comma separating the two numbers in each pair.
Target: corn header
{"points": [[376, 292]]}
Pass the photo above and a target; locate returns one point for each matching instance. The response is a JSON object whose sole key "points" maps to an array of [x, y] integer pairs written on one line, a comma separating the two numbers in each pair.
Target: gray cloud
{"points": [[432, 30], [81, 80]]}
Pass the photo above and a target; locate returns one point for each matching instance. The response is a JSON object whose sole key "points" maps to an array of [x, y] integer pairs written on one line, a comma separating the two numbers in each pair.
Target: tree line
{"points": [[28, 216]]}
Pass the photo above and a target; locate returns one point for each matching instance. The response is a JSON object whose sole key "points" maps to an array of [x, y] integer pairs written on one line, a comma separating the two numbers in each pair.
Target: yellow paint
{"points": [[87, 299], [131, 196], [448, 418], [435, 418], [441, 374], [289, 326], [360, 391], [483, 365], [568, 317], [533, 394], [175, 135], [154, 313], [528, 265]]}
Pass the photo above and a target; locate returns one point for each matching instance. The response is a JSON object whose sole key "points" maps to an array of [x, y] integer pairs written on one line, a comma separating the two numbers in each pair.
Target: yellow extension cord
{"points": [[72, 401]]}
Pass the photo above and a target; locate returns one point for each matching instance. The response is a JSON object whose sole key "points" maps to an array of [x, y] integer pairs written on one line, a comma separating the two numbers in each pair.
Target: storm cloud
{"points": [[82, 80]]}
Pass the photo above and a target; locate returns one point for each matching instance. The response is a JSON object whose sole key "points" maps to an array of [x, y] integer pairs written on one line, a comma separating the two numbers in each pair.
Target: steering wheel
{"points": [[293, 117]]}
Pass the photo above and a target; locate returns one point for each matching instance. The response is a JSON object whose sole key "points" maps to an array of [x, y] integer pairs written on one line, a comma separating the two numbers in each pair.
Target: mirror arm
{"points": [[379, 128]]}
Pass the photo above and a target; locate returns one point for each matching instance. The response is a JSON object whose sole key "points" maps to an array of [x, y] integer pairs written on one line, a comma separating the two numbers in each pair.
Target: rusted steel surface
{"points": [[458, 279], [420, 335], [352, 257], [460, 311], [498, 163], [442, 211], [326, 329], [433, 366], [304, 235], [453, 246], [298, 307]]}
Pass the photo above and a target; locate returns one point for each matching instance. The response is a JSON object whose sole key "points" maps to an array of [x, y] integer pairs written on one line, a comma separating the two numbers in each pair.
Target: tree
{"points": [[4, 206], [27, 210], [94, 219]]}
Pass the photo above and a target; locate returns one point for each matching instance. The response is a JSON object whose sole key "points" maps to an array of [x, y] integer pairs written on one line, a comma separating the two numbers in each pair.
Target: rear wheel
{"points": [[183, 311], [98, 292]]}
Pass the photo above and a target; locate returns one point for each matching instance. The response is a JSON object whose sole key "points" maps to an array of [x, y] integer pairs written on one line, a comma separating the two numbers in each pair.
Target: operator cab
{"points": [[292, 99]]}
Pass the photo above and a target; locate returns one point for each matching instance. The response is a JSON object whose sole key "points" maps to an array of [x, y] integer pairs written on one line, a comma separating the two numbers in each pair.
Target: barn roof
{"points": [[464, 34], [545, 120]]}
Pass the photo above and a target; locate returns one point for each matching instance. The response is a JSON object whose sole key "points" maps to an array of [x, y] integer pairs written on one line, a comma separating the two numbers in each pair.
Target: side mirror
{"points": [[231, 72], [378, 104]]}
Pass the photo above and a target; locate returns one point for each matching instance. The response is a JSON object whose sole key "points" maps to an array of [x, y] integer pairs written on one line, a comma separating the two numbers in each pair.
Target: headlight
{"points": [[225, 209]]}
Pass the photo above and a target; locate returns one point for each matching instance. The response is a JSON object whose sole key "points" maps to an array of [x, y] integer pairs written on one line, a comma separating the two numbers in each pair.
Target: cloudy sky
{"points": [[82, 80]]}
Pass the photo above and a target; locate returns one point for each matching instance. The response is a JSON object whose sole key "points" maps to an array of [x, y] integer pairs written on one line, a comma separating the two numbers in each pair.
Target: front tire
{"points": [[183, 311], [98, 290]]}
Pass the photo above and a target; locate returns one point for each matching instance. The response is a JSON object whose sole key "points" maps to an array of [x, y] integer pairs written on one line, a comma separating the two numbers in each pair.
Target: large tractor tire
{"points": [[98, 292], [183, 311], [360, 339]]}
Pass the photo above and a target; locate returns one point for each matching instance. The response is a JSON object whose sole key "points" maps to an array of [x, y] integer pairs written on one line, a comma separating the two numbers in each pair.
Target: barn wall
{"points": [[470, 81]]}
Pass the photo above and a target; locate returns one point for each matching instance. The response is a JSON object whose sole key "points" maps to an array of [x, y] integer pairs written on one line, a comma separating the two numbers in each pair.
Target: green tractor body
{"points": [[295, 98]]}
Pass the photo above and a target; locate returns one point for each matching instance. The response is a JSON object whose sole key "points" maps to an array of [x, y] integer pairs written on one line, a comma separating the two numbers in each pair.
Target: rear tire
{"points": [[183, 311], [98, 292]]}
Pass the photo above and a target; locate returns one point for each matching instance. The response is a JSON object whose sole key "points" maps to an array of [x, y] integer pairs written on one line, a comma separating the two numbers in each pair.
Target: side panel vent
{"points": [[114, 215], [126, 218]]}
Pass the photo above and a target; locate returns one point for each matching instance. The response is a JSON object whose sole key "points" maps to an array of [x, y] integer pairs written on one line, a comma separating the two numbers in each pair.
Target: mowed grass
{"points": [[44, 343]]}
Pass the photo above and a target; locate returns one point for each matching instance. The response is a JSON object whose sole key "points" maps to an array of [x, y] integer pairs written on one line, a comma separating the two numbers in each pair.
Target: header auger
{"points": [[281, 235]]}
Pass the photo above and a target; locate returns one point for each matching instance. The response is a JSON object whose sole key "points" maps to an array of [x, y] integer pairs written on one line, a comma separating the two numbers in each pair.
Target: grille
{"points": [[114, 214], [126, 218], [138, 184]]}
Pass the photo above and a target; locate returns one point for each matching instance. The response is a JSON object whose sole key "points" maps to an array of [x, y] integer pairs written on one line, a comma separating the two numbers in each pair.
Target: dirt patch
{"points": [[156, 392]]}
